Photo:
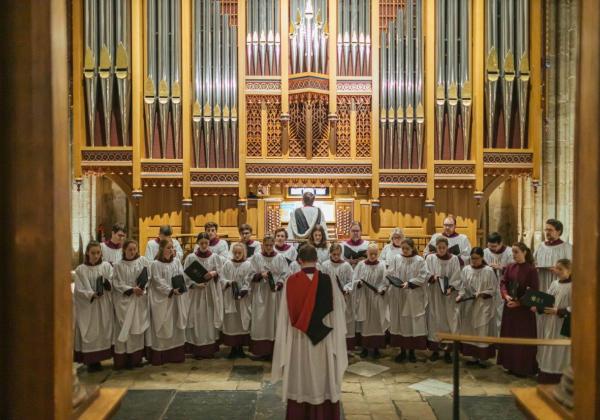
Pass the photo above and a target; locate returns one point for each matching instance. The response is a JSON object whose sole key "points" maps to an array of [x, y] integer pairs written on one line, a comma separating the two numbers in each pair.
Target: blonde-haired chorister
{"points": [[478, 307], [265, 296], [372, 315], [393, 248], [206, 302], [169, 307], [93, 309], [235, 279], [132, 317], [443, 313], [408, 301], [341, 272]]}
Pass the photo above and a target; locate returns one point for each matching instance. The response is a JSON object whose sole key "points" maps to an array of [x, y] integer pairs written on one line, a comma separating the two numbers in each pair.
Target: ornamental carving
{"points": [[272, 217], [354, 86], [253, 125], [363, 126], [454, 169], [106, 156], [216, 178], [507, 158], [343, 143], [167, 168], [309, 83], [263, 85], [274, 126], [306, 169], [343, 219], [407, 178]]}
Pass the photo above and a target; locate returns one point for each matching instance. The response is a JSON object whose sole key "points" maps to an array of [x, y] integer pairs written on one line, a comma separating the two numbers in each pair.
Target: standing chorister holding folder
{"points": [[442, 310], [270, 273], [93, 309], [132, 317], [341, 271], [372, 314], [553, 360], [169, 306], [235, 279], [407, 275], [205, 319]]}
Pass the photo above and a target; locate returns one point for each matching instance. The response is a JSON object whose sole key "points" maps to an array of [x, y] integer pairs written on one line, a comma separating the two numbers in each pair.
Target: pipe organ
{"points": [[381, 102]]}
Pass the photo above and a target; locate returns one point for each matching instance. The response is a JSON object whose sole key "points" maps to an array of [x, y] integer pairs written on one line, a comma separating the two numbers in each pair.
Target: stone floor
{"points": [[241, 389]]}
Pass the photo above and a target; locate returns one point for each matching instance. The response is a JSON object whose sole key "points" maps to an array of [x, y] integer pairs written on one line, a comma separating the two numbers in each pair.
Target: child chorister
{"points": [[442, 310], [318, 239], [266, 265], [552, 360], [393, 248], [407, 302], [235, 278], [341, 272], [132, 318], [476, 298], [93, 309], [206, 302], [217, 245], [497, 256], [169, 307], [372, 314], [282, 247]]}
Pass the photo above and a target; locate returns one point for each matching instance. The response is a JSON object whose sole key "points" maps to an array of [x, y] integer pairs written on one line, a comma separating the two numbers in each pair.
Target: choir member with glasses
{"points": [[112, 248]]}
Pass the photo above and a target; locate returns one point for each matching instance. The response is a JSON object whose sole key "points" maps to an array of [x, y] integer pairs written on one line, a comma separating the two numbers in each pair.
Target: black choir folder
{"points": [[196, 272], [178, 282], [250, 251], [271, 281], [99, 286], [395, 281], [453, 249], [142, 279], [352, 255], [538, 299], [444, 283]]}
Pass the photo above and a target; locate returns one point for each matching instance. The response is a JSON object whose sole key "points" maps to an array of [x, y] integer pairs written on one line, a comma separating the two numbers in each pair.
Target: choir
{"points": [[163, 306]]}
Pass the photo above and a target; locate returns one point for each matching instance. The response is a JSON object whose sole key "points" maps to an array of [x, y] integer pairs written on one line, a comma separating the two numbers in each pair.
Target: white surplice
{"points": [[205, 316], [407, 306], [132, 317], [111, 255], [236, 319], [220, 248], [479, 315], [554, 359], [168, 312], [311, 373], [388, 253], [372, 312], [546, 256], [443, 313], [503, 259], [363, 246], [264, 301], [152, 249], [457, 239], [93, 315], [343, 271], [290, 254]]}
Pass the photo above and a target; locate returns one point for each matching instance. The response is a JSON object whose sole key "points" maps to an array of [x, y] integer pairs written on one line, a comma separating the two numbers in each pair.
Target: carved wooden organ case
{"points": [[224, 95]]}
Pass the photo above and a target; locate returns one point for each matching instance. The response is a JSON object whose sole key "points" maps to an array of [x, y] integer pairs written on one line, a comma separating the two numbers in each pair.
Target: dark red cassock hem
{"points": [[235, 340], [518, 322], [128, 360], [305, 411], [351, 343], [480, 353], [206, 352], [92, 357], [261, 347], [176, 355], [409, 343], [548, 378], [373, 342]]}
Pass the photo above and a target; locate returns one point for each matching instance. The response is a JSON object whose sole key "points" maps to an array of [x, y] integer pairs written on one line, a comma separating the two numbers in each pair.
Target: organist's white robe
{"points": [[206, 303], [311, 373], [554, 359], [443, 313], [479, 315], [93, 315], [152, 249], [264, 301], [343, 271], [372, 313], [546, 255], [457, 239], [236, 319], [168, 315], [313, 216], [407, 306], [132, 317]]}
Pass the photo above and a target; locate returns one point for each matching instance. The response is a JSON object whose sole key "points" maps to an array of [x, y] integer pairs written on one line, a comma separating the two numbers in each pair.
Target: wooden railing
{"points": [[456, 339]]}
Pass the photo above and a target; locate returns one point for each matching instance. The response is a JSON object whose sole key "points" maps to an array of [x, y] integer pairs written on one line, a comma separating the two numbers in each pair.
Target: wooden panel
{"points": [[106, 405], [160, 206], [533, 405], [36, 351], [586, 292]]}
